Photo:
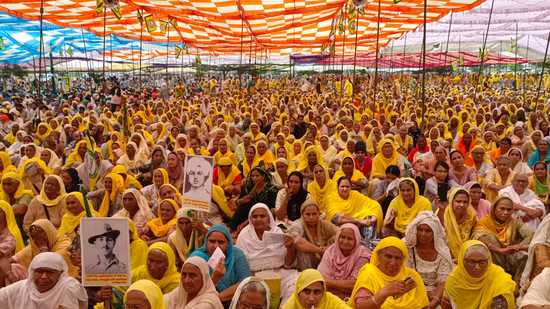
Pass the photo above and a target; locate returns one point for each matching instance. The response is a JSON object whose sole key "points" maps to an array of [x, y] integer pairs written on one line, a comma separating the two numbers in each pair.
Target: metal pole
{"points": [[516, 60], [85, 49], [424, 63], [342, 64], [140, 51], [242, 47], [448, 38], [355, 50], [377, 48], [167, 49], [111, 47], [542, 73], [484, 45], [104, 37], [41, 50]]}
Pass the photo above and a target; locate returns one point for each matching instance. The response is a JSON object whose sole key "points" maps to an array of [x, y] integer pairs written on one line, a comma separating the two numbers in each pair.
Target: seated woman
{"points": [[258, 189], [33, 173], [312, 157], [280, 175], [459, 220], [43, 237], [482, 162], [112, 197], [517, 165], [227, 176], [252, 292], [404, 208], [234, 268], [348, 206], [152, 191], [312, 292], [291, 198], [539, 182], [47, 286], [71, 180], [13, 192], [387, 282], [159, 228], [538, 256], [478, 283], [50, 204], [262, 255], [320, 187], [144, 294], [196, 288], [168, 191], [506, 237], [135, 208], [481, 206], [438, 185], [498, 178], [70, 222], [11, 241], [429, 254], [358, 181], [312, 235], [342, 261], [538, 294], [188, 236], [159, 268]]}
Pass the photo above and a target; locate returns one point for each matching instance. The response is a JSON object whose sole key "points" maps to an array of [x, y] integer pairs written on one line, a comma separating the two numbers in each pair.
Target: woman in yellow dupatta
{"points": [[11, 225], [129, 180], [74, 203], [311, 292], [383, 285], [264, 155], [167, 280], [187, 237], [43, 131], [349, 206], [459, 220], [404, 208], [76, 157], [137, 247], [158, 228], [150, 290], [224, 152], [386, 156], [5, 161], [347, 168], [228, 176], [477, 283], [320, 187], [112, 199]]}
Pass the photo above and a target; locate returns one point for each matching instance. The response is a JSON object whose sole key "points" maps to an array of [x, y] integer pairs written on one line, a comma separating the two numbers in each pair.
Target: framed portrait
{"points": [[197, 188]]}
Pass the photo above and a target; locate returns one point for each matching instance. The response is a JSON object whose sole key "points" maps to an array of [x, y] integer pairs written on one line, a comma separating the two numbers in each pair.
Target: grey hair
{"points": [[254, 287], [477, 249]]}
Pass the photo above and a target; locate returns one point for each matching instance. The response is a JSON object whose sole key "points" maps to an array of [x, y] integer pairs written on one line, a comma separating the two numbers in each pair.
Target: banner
{"points": [[150, 23]]}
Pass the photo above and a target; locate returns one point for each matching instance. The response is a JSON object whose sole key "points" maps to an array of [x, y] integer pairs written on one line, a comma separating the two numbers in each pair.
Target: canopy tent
{"points": [[274, 27]]}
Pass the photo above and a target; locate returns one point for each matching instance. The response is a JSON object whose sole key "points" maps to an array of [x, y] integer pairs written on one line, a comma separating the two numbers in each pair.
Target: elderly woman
{"points": [[159, 228], [539, 182], [311, 292], [459, 219], [112, 196], [50, 204], [342, 261], [429, 254], [70, 222], [517, 163], [291, 198], [459, 172], [14, 193], [541, 153], [506, 237], [258, 189], [229, 271], [263, 255], [358, 181], [321, 186], [404, 208], [196, 290], [152, 191], [48, 285], [312, 234], [252, 292], [188, 236], [159, 268], [227, 175], [527, 207], [144, 294], [478, 283], [386, 282], [498, 178], [135, 208], [481, 206], [482, 162]]}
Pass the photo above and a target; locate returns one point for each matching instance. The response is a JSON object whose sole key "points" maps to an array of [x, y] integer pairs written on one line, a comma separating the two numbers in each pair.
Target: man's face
{"points": [[196, 177], [104, 244]]}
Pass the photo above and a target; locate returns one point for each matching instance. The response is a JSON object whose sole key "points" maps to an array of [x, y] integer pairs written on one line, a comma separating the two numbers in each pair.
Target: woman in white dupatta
{"points": [[196, 290], [55, 289], [135, 208], [251, 285], [263, 255]]}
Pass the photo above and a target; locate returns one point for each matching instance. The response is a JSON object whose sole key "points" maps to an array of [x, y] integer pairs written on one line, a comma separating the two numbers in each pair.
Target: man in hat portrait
{"points": [[107, 261]]}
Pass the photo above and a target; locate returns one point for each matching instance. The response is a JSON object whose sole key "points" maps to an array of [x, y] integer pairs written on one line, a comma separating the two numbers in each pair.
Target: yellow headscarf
{"points": [[304, 160], [117, 188], [137, 247], [223, 180], [468, 292], [129, 180], [43, 198], [43, 137], [151, 291], [171, 278], [218, 196], [373, 279], [156, 225], [229, 154], [74, 157], [504, 232], [357, 206], [380, 163], [458, 234], [356, 176], [319, 194], [6, 162], [406, 214], [20, 188], [305, 279], [267, 157], [12, 225], [70, 222]]}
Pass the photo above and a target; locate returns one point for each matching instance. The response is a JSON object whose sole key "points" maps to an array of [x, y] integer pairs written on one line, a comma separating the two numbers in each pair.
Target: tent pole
{"points": [[85, 49], [34, 73], [111, 47], [542, 73], [41, 50], [167, 50], [377, 49], [516, 60], [242, 47], [104, 38], [140, 51], [355, 51], [525, 71], [424, 63], [480, 74], [448, 38], [342, 61]]}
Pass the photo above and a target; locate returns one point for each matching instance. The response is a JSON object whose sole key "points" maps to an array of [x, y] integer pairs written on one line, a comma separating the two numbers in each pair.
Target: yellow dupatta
{"points": [[171, 278], [356, 176], [380, 163], [152, 292], [137, 247], [218, 196], [307, 278], [457, 234], [504, 232], [110, 197], [129, 180], [20, 188], [6, 162], [74, 157], [357, 206], [11, 225], [178, 239], [70, 222], [468, 292], [406, 214], [318, 194], [223, 180], [45, 135], [373, 279], [44, 199], [156, 225]]}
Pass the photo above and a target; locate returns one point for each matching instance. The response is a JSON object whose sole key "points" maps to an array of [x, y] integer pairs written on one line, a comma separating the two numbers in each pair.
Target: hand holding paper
{"points": [[215, 258]]}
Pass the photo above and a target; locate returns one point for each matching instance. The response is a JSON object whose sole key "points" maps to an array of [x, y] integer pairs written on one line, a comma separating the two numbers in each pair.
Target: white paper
{"points": [[217, 255], [273, 238]]}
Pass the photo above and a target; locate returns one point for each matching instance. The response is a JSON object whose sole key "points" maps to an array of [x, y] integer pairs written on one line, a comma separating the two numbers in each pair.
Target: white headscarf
{"points": [[541, 237], [430, 219], [242, 285], [55, 161], [207, 296], [66, 293], [260, 254], [143, 215]]}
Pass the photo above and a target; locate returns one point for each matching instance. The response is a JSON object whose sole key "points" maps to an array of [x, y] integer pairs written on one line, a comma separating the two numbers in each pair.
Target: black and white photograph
{"points": [[197, 190], [105, 251]]}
